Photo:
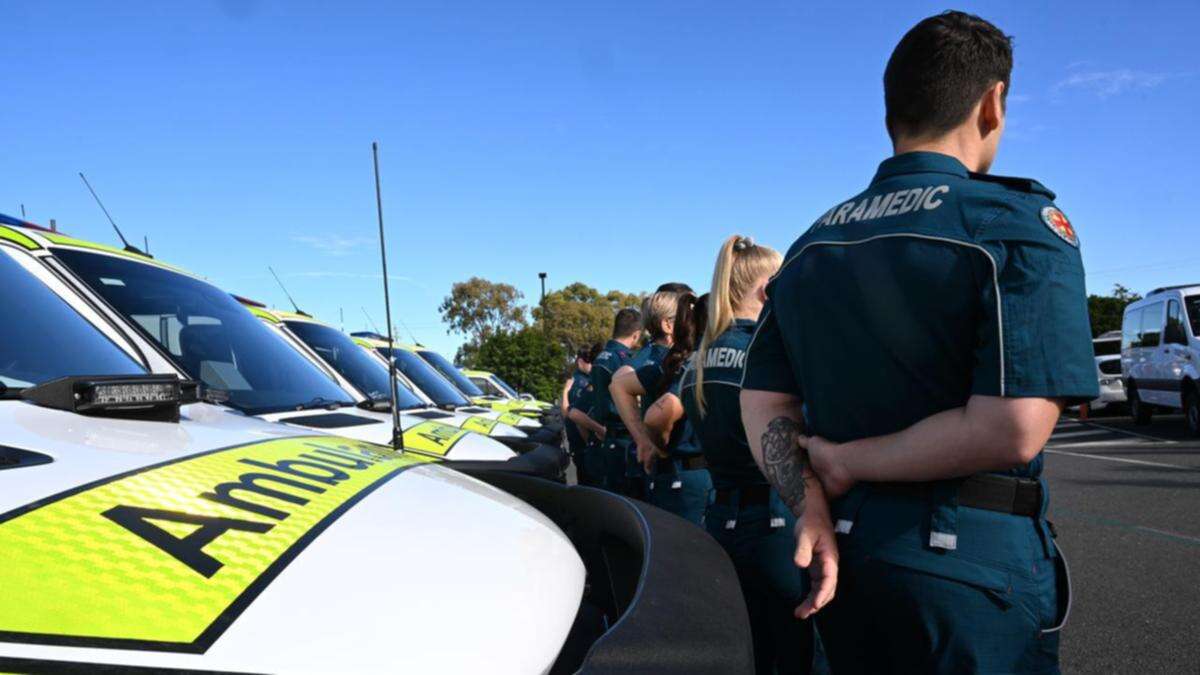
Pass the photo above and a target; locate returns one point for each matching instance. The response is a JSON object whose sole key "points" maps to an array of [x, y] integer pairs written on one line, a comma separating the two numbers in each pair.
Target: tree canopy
{"points": [[527, 359], [578, 315], [479, 309], [1106, 311]]}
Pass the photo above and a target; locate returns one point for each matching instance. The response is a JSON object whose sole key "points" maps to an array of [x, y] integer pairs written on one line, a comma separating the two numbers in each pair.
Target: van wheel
{"points": [[1191, 411], [1138, 410]]}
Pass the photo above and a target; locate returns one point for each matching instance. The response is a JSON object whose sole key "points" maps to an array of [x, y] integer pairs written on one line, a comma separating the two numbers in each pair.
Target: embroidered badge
{"points": [[1058, 224]]}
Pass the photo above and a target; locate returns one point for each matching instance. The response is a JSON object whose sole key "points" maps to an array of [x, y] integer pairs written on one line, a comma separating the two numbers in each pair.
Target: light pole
{"points": [[542, 276]]}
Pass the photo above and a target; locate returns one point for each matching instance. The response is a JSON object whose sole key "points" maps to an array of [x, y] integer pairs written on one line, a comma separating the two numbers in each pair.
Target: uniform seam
{"points": [[761, 320], [913, 235]]}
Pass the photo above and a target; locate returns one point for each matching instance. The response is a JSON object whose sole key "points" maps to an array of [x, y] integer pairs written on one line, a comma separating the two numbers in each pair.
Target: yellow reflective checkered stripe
{"points": [[509, 418], [433, 438], [481, 425], [166, 557]]}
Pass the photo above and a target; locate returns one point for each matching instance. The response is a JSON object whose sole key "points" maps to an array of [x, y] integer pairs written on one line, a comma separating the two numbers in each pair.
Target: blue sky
{"points": [[610, 143]]}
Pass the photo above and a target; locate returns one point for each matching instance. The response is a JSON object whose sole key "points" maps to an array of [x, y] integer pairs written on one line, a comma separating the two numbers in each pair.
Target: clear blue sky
{"points": [[237, 135]]}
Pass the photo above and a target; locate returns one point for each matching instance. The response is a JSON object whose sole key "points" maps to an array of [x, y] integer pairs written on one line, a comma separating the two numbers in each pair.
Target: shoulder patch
{"points": [[1014, 183], [1057, 221]]}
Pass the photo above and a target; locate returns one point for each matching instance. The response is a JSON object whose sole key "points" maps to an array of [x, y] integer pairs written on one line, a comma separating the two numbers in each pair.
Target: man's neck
{"points": [[627, 341], [955, 144]]}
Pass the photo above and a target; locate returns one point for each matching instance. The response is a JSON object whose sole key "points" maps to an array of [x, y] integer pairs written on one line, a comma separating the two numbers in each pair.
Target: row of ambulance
{"points": [[190, 481]]}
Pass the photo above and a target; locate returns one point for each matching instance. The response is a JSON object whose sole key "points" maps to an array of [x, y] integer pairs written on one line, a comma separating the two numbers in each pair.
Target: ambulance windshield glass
{"points": [[352, 362], [42, 338], [447, 369], [428, 380], [241, 361], [1193, 312], [505, 386]]}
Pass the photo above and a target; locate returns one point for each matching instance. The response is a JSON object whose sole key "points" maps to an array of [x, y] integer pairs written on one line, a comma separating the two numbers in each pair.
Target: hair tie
{"points": [[743, 243]]}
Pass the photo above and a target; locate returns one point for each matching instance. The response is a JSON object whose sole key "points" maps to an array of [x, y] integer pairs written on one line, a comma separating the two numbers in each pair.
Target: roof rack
{"points": [[1170, 288]]}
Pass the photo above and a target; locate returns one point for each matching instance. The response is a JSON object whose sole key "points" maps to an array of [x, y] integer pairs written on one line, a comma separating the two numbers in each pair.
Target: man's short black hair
{"points": [[674, 287], [628, 322], [940, 70]]}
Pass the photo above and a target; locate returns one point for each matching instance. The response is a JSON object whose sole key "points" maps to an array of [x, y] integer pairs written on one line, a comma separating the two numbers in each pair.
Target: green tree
{"points": [[479, 309], [578, 315], [1106, 311], [527, 359]]}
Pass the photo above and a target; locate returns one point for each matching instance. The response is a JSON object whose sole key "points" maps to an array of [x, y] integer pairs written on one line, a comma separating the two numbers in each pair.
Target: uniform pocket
{"points": [[1063, 592], [996, 583]]}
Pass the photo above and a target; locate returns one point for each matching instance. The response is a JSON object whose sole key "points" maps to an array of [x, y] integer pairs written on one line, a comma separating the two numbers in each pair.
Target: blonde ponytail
{"points": [[740, 264]]}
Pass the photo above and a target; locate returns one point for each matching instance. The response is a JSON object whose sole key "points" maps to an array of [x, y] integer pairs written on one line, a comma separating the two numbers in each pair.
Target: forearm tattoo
{"points": [[784, 461]]}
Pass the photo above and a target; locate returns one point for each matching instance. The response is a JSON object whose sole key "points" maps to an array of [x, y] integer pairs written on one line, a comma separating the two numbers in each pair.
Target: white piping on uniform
{"points": [[995, 276]]}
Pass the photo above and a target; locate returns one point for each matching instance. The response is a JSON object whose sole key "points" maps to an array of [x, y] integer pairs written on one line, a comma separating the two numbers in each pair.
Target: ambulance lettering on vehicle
{"points": [[166, 557]]}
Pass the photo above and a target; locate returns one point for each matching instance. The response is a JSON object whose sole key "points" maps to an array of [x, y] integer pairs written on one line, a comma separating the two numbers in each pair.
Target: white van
{"points": [[1160, 354]]}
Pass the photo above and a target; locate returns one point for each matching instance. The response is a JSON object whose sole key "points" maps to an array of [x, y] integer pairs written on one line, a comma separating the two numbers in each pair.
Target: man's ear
{"points": [[991, 110]]}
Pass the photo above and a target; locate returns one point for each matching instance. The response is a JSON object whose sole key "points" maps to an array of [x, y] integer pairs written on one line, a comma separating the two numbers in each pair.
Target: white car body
{"points": [[224, 542], [1160, 349], [1108, 371]]}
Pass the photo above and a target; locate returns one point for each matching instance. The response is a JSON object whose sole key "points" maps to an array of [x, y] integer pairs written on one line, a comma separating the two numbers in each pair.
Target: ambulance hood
{"points": [[227, 543], [422, 435], [459, 418]]}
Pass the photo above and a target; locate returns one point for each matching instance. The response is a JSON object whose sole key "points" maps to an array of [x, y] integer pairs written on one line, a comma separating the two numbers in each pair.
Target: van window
{"points": [[1130, 327], [1151, 333], [1106, 347], [1192, 304], [1174, 332]]}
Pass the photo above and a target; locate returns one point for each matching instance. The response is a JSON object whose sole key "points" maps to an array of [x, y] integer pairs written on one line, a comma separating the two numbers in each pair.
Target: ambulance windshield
{"points": [[352, 362], [427, 379], [42, 338], [447, 369], [241, 361]]}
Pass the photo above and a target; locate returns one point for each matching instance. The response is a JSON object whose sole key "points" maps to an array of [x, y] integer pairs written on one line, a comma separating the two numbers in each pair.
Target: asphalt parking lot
{"points": [[1126, 501]]}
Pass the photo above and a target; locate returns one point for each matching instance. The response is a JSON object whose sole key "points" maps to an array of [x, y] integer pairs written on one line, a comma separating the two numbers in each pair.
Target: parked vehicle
{"points": [[1107, 348], [1160, 354]]}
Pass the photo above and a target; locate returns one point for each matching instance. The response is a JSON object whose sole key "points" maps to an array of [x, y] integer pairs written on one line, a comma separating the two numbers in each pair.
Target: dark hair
{"points": [[939, 71], [584, 354], [691, 315], [627, 322], [674, 287], [594, 351]]}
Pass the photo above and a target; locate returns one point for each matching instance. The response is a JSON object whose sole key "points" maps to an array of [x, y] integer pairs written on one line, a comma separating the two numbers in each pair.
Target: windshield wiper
{"points": [[322, 402]]}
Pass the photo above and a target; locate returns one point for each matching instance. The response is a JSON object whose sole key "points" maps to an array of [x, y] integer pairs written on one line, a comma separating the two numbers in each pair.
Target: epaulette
{"points": [[1014, 183]]}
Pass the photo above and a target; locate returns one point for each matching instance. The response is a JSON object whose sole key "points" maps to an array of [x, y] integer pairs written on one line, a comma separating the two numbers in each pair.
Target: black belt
{"points": [[666, 465], [750, 495], [988, 491]]}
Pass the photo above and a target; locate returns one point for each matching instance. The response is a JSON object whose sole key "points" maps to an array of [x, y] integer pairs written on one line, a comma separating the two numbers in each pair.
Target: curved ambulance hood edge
{"points": [[376, 427], [388, 565]]}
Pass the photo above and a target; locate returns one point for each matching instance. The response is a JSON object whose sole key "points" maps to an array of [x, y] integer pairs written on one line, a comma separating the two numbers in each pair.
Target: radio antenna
{"points": [[370, 320], [289, 295], [409, 331], [128, 247], [397, 430]]}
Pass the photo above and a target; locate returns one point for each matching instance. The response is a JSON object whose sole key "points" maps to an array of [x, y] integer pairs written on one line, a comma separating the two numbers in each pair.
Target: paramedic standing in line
{"points": [[932, 327]]}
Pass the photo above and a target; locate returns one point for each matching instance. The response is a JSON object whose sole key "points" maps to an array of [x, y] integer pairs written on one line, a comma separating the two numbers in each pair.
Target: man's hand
{"points": [[816, 551], [647, 453], [825, 459]]}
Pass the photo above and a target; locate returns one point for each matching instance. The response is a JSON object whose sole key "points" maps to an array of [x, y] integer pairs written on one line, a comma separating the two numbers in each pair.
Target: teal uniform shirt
{"points": [[604, 367], [932, 285], [719, 429], [579, 383], [650, 373], [682, 441]]}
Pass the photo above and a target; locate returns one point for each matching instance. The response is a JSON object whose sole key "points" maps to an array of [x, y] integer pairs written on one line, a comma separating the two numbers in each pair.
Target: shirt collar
{"points": [[744, 323], [919, 162], [614, 346]]}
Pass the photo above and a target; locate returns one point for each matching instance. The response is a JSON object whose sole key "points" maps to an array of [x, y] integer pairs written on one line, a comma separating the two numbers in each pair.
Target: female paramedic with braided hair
{"points": [[747, 517], [677, 480]]}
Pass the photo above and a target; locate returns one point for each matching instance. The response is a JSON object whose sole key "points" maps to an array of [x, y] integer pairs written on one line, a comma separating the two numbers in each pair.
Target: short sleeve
{"points": [[1035, 339], [767, 365]]}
